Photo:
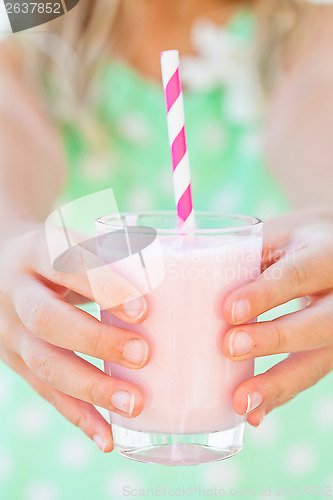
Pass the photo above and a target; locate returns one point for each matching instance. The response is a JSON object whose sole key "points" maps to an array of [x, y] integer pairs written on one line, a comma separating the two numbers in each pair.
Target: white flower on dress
{"points": [[214, 136], [133, 127], [140, 198], [98, 167], [224, 60]]}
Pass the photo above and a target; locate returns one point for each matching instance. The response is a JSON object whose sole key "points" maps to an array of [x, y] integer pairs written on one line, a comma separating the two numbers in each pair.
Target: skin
{"points": [[301, 107], [40, 328], [160, 15]]}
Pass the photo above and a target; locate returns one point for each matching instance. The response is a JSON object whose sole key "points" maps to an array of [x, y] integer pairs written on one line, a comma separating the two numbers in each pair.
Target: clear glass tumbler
{"points": [[188, 384]]}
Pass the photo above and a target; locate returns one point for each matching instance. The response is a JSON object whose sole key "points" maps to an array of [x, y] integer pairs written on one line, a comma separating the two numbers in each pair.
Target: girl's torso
{"points": [[127, 148]]}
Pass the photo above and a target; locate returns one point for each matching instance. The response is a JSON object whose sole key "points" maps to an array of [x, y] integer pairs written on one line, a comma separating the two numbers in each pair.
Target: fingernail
{"points": [[239, 343], [99, 442], [134, 307], [136, 351], [124, 401], [254, 399], [262, 418], [240, 310]]}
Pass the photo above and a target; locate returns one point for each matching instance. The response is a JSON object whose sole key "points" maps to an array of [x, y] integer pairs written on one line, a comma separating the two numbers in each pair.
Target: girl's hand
{"points": [[297, 262], [40, 330]]}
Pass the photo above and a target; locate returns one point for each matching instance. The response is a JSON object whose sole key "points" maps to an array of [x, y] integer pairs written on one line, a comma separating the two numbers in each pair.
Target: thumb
{"points": [[82, 271], [278, 233]]}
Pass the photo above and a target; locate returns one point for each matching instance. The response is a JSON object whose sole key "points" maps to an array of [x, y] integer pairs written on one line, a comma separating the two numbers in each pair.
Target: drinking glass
{"points": [[188, 384]]}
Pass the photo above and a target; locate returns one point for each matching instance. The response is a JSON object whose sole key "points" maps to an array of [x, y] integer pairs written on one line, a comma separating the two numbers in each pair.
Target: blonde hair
{"points": [[283, 29], [64, 55], [61, 57]]}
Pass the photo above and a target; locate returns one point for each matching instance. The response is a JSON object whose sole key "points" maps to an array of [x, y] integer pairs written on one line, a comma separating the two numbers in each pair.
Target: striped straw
{"points": [[177, 138]]}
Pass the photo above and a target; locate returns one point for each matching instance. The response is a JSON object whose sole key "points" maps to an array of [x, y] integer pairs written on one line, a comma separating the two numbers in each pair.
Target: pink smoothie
{"points": [[188, 383]]}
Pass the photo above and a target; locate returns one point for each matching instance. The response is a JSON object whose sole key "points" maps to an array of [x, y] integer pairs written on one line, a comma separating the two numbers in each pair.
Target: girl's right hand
{"points": [[40, 329]]}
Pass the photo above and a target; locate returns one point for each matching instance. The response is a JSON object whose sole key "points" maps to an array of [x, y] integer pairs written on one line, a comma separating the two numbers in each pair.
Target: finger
{"points": [[102, 285], [79, 413], [303, 273], [305, 330], [287, 231], [276, 236], [74, 376], [284, 381], [52, 319]]}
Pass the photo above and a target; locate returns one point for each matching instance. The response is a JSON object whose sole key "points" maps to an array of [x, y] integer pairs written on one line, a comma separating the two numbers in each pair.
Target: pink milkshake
{"points": [[188, 384]]}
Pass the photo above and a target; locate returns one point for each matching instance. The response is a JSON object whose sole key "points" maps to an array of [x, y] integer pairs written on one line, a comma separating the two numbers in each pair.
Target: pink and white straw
{"points": [[177, 138]]}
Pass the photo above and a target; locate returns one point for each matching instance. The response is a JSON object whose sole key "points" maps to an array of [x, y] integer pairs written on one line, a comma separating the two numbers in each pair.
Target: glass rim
{"points": [[252, 222]]}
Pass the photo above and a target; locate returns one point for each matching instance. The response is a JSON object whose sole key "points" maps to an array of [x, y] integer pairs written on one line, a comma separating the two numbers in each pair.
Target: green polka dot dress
{"points": [[43, 457]]}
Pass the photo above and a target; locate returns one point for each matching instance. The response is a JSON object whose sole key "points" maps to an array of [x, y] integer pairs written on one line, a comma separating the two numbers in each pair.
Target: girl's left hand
{"points": [[297, 263]]}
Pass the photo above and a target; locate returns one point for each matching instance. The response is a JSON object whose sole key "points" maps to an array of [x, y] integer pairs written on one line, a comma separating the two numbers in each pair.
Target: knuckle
{"points": [[322, 369], [94, 390], [97, 342], [277, 390], [265, 295], [279, 339], [42, 367], [79, 420], [273, 386], [55, 398], [38, 316], [298, 274], [45, 368]]}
